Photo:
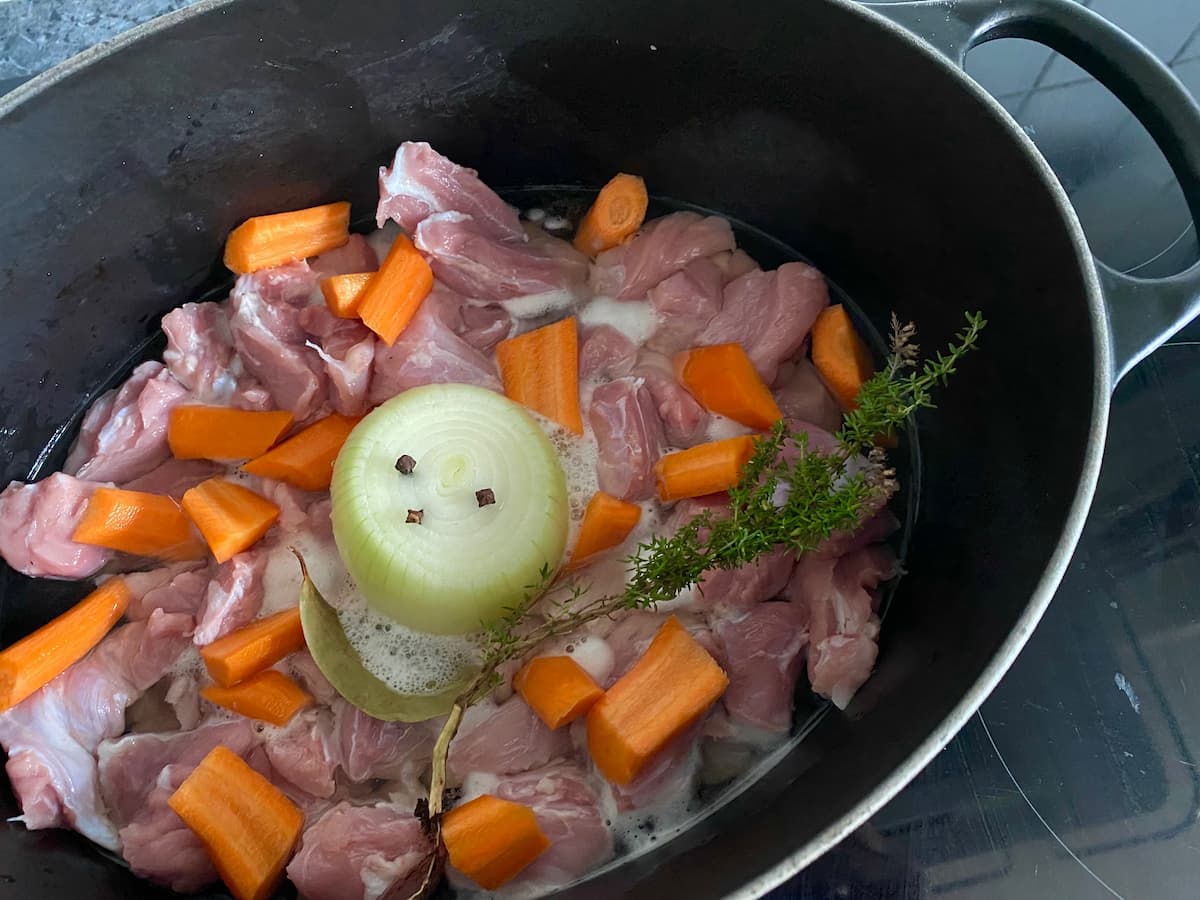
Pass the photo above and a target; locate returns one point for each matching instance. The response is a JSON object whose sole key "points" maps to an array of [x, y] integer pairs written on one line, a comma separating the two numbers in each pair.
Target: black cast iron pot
{"points": [[819, 121]]}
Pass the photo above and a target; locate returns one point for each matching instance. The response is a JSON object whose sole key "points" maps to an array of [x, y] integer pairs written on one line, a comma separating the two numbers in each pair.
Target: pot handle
{"points": [[1142, 312]]}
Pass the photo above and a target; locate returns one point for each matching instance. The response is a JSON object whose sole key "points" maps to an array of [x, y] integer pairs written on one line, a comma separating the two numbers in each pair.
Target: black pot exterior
{"points": [[824, 127]]}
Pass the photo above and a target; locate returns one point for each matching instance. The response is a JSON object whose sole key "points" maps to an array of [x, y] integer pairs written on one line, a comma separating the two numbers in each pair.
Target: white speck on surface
{"points": [[1126, 688], [652, 47], [1113, 604]]}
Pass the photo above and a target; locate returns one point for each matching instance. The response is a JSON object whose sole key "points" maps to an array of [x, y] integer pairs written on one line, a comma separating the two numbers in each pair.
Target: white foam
{"points": [[407, 661], [535, 306], [579, 457], [635, 319]]}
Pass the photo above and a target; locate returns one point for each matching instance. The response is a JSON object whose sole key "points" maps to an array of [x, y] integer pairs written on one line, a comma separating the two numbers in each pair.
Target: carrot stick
{"points": [[305, 460], [540, 370], [139, 523], [491, 840], [724, 381], [222, 433], [617, 212], [270, 696], [343, 293], [606, 522], [248, 826], [231, 518], [703, 469], [234, 658], [395, 293], [669, 688], [840, 355], [557, 689], [265, 241], [39, 658]]}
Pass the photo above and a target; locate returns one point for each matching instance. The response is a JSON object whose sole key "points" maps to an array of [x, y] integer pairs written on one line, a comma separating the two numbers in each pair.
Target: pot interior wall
{"points": [[818, 126]]}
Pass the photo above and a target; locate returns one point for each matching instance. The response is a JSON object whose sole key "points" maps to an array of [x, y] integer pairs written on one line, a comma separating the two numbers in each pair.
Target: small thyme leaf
{"points": [[790, 494]]}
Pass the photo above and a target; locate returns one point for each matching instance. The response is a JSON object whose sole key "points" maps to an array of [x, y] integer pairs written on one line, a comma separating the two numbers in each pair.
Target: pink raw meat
{"points": [[270, 340], [356, 255], [233, 597], [470, 261], [482, 325], [685, 302], [129, 765], [36, 524], [200, 355], [633, 631], [304, 669], [769, 314], [801, 394], [370, 748], [347, 349], [764, 653], [428, 352], [669, 775], [605, 353], [124, 434], [306, 753], [176, 588], [175, 477], [747, 586], [360, 852], [50, 736], [629, 437], [503, 740], [684, 420], [662, 248], [734, 264], [836, 597], [138, 774], [569, 813], [159, 846], [421, 182]]}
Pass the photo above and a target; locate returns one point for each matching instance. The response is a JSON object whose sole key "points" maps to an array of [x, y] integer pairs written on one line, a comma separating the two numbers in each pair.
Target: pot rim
{"points": [[1103, 383]]}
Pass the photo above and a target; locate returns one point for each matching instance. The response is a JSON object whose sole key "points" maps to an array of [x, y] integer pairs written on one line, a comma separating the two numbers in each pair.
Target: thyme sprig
{"points": [[791, 494]]}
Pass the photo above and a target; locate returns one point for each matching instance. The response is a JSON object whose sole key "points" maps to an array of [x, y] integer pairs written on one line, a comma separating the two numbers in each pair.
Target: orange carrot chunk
{"points": [[395, 293], [557, 689], [343, 293], [491, 840], [540, 370], [703, 469], [617, 212], [222, 433], [606, 522], [840, 355], [725, 382], [139, 523], [305, 460], [40, 657], [232, 518], [270, 696], [669, 688], [265, 241], [234, 658], [246, 824]]}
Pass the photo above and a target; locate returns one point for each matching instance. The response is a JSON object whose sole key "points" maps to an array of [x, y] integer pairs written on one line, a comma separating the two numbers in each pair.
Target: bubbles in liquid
{"points": [[407, 661], [578, 456]]}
